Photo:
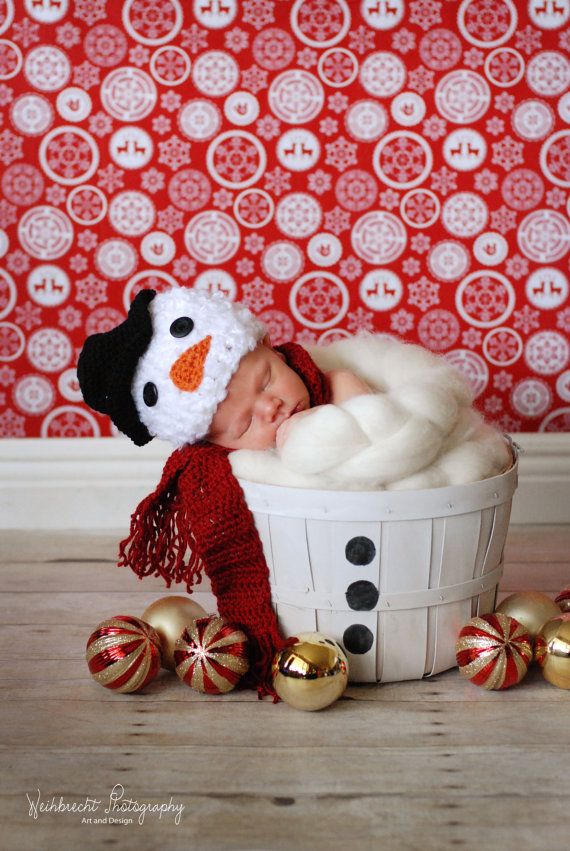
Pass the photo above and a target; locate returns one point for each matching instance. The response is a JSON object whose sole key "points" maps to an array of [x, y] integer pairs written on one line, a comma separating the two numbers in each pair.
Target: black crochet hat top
{"points": [[107, 365]]}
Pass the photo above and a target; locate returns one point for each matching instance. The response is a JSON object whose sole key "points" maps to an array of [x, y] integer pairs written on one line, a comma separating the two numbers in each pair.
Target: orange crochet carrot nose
{"points": [[188, 370]]}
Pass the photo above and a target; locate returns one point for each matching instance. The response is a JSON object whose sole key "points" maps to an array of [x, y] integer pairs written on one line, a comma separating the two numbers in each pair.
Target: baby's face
{"points": [[262, 394]]}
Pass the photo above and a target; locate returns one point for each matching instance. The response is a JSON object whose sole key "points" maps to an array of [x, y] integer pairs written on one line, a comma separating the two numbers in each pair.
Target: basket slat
{"points": [[334, 623], [494, 554], [405, 566], [294, 619], [262, 524], [291, 562], [487, 522], [461, 535], [331, 569]]}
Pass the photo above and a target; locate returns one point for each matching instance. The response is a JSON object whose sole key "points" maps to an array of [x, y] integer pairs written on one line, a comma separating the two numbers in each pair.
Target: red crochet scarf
{"points": [[198, 520]]}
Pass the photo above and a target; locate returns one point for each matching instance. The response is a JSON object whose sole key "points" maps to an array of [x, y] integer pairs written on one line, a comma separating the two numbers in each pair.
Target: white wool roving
{"points": [[417, 430]]}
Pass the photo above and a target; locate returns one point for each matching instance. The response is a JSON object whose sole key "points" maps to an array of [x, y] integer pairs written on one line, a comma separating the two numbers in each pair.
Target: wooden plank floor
{"points": [[433, 764]]}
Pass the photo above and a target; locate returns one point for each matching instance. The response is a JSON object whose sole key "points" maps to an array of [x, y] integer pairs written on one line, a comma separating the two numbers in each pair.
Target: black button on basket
{"points": [[357, 639], [360, 550], [362, 595]]}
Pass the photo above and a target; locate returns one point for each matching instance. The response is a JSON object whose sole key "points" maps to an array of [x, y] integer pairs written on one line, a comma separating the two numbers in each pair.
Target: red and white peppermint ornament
{"points": [[123, 654], [211, 655], [563, 599], [493, 651]]}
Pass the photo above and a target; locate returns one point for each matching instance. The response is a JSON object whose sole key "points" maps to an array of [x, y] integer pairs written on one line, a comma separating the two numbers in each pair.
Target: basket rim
{"points": [[383, 505]]}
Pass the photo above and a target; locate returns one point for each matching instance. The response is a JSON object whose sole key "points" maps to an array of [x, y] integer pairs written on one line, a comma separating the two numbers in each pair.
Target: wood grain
{"points": [[430, 764]]}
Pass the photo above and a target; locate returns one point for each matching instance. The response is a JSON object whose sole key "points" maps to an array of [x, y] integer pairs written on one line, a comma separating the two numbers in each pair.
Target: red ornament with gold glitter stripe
{"points": [[123, 654], [563, 600], [493, 651], [211, 655]]}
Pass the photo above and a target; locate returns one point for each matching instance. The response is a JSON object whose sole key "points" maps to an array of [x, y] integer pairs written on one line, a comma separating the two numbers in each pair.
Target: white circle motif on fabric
{"points": [[131, 147], [128, 94], [485, 299], [152, 22], [366, 120], [296, 96], [449, 260], [319, 300], [464, 214], [48, 285], [298, 150], [383, 74], [547, 288], [236, 159], [324, 249], [544, 236], [378, 237], [381, 289], [490, 248], [298, 215], [402, 159], [215, 73], [45, 232], [320, 25], [462, 96], [548, 73], [282, 261], [486, 24], [212, 237]]}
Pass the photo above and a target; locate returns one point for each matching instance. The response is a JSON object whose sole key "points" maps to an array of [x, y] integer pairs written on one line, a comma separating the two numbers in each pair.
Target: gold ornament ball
{"points": [[552, 650], [312, 673], [170, 616], [531, 608]]}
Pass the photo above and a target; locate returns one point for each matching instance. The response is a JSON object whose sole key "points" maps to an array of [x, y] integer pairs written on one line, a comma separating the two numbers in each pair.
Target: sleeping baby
{"points": [[188, 366], [399, 418], [265, 396]]}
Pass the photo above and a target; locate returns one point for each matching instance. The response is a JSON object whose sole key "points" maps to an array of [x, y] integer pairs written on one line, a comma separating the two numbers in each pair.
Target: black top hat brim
{"points": [[107, 364]]}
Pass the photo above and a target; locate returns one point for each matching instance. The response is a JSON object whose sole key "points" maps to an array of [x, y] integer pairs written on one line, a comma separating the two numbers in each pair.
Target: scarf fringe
{"points": [[262, 651], [160, 535], [268, 647]]}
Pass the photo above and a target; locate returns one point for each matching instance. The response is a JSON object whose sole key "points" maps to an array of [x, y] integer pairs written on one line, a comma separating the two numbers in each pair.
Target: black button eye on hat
{"points": [[181, 327], [107, 365]]}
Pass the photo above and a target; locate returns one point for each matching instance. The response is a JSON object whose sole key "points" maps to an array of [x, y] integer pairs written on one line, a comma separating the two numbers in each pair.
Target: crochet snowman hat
{"points": [[165, 369]]}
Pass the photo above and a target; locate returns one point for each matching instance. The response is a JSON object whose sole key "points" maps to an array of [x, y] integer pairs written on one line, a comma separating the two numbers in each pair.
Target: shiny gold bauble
{"points": [[531, 608], [312, 673], [552, 650], [169, 616]]}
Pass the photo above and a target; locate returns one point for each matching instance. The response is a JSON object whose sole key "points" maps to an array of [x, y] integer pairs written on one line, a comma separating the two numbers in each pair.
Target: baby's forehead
{"points": [[261, 353]]}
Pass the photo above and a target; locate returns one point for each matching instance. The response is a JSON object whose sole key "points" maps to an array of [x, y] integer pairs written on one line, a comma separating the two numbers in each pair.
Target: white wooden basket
{"points": [[391, 575]]}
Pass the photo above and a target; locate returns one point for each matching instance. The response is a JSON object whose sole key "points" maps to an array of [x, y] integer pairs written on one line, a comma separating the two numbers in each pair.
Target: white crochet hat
{"points": [[198, 340]]}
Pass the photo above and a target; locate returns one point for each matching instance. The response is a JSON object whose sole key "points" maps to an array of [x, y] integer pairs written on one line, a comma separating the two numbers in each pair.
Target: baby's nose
{"points": [[269, 406]]}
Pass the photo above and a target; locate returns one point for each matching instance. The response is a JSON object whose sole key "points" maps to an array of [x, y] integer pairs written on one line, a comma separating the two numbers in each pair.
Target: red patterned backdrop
{"points": [[389, 166]]}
